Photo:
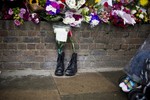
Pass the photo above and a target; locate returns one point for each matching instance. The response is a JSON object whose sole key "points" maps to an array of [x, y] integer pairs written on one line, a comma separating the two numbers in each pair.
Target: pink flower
{"points": [[17, 22], [10, 12]]}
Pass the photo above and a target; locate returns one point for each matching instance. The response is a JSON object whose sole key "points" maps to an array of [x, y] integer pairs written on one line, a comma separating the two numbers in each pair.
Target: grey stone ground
{"points": [[83, 86]]}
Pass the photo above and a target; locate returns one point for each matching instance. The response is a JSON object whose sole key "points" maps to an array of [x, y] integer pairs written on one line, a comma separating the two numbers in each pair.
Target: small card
{"points": [[61, 34]]}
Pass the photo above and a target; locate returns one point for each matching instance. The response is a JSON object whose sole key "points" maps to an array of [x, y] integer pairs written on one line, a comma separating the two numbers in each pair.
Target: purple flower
{"points": [[17, 22], [22, 11], [94, 20], [52, 7], [21, 15], [10, 12], [26, 16]]}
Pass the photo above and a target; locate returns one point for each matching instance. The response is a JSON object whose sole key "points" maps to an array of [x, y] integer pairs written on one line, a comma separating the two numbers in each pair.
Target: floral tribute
{"points": [[73, 12]]}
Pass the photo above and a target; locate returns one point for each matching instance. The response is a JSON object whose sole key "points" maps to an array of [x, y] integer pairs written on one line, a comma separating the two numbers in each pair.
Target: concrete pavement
{"points": [[83, 86]]}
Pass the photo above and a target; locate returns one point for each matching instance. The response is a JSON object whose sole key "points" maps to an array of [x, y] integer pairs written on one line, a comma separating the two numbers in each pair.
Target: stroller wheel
{"points": [[136, 94], [134, 91], [147, 93]]}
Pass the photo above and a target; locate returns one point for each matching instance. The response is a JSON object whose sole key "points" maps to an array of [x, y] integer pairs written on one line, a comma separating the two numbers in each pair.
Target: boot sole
{"points": [[67, 74]]}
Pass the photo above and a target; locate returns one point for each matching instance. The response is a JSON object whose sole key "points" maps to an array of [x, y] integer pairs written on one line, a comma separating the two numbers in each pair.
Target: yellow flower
{"points": [[143, 2], [137, 15], [146, 19], [31, 1], [96, 1]]}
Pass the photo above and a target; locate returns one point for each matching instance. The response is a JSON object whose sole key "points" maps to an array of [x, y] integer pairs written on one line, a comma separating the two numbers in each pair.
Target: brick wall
{"points": [[33, 46]]}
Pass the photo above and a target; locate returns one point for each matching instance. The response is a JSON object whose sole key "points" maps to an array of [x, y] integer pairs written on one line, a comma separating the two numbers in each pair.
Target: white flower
{"points": [[50, 8], [82, 1], [122, 7], [33, 15], [141, 16], [68, 20], [137, 7], [133, 11], [37, 20], [71, 3], [94, 22]]}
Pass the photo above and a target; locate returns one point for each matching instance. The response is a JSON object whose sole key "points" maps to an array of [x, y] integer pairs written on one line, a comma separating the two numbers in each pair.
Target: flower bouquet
{"points": [[90, 17], [72, 18], [121, 16], [140, 14], [53, 10], [18, 15]]}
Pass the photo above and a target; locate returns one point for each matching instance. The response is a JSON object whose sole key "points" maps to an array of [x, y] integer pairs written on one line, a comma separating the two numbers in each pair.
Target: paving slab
{"points": [[95, 96], [83, 86], [28, 88], [84, 83], [113, 76], [14, 94], [27, 82]]}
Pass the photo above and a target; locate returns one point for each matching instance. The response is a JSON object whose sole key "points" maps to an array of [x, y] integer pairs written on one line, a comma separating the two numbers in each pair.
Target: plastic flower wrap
{"points": [[72, 18], [61, 32], [140, 14], [75, 4]]}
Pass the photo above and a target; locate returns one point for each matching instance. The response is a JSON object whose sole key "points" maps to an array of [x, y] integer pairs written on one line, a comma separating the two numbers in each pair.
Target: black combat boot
{"points": [[72, 66], [60, 65]]}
